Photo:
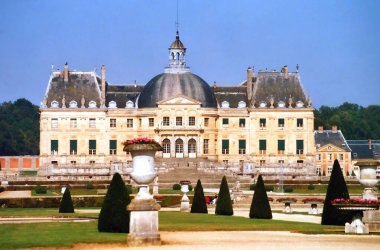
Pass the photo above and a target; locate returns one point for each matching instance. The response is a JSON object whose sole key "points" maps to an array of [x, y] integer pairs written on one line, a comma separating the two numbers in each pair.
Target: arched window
{"points": [[299, 104], [281, 104], [179, 146], [225, 104], [112, 105], [166, 146], [73, 104], [177, 56], [172, 56], [92, 104], [129, 104], [242, 104], [263, 104], [54, 104], [192, 146]]}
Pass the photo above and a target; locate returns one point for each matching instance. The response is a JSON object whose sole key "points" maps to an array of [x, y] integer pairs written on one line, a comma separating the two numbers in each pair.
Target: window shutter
{"points": [[54, 145], [299, 144], [73, 145], [225, 144], [263, 145], [281, 144], [92, 144], [113, 144], [242, 144]]}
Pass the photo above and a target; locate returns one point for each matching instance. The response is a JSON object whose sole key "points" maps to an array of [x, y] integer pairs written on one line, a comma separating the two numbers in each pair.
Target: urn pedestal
{"points": [[143, 226], [185, 201]]}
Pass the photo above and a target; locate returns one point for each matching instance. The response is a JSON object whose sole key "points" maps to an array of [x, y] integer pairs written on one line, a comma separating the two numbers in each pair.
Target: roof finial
{"points": [[176, 23]]}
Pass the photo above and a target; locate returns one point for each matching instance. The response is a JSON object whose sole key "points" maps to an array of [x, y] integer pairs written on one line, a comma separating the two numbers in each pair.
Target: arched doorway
{"points": [[179, 148], [166, 148], [192, 148]]}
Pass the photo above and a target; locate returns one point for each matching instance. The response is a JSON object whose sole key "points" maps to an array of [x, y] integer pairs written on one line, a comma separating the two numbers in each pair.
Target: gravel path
{"points": [[251, 240], [15, 194]]}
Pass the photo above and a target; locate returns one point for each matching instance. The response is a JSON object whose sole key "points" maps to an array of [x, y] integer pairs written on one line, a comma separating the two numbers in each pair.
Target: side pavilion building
{"points": [[262, 124]]}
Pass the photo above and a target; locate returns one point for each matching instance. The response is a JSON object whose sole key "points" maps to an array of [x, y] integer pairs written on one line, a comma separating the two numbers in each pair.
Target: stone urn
{"points": [[143, 225], [185, 201], [368, 178], [143, 172]]}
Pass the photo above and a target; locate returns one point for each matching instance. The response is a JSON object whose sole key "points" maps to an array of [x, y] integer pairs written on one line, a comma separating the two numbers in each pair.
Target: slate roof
{"points": [[233, 95], [166, 85], [122, 93], [360, 149], [329, 137], [279, 86], [78, 84]]}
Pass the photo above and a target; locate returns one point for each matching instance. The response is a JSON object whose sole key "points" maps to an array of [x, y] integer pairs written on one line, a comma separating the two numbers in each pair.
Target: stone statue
{"points": [[63, 102], [252, 103], [309, 102], [290, 101], [271, 101], [82, 101]]}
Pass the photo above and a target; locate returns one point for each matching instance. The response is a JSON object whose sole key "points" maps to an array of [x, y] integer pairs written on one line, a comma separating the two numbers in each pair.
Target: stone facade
{"points": [[262, 124]]}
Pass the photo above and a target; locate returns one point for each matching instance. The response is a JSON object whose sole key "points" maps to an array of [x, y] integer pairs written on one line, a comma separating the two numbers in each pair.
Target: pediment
{"points": [[331, 148], [179, 100]]}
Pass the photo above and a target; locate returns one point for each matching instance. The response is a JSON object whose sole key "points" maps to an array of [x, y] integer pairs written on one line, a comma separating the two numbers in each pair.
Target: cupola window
{"points": [[54, 104], [73, 104], [225, 104], [92, 104], [112, 105], [242, 104]]}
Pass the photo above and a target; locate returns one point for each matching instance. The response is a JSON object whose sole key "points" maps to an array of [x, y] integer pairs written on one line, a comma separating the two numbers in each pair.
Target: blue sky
{"points": [[336, 43]]}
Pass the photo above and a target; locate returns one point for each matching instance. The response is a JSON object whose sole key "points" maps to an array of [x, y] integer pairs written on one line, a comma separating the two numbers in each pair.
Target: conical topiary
{"points": [[199, 201], [114, 216], [223, 202], [66, 205], [336, 188], [260, 208]]}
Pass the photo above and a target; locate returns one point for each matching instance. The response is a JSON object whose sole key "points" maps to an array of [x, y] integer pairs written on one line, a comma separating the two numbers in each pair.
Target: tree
{"points": [[260, 208], [114, 216], [66, 205], [199, 201], [336, 188], [223, 202]]}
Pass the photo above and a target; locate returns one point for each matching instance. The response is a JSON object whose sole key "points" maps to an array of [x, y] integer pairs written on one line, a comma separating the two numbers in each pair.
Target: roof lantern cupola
{"points": [[177, 52]]}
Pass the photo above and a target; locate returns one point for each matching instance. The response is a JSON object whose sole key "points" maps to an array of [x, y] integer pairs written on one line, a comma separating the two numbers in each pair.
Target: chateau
{"points": [[264, 123]]}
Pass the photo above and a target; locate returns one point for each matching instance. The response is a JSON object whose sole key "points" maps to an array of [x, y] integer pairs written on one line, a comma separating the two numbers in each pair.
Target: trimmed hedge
{"points": [[40, 189], [89, 185], [114, 216], [260, 208], [199, 201], [223, 202], [269, 188], [337, 188], [2, 189], [311, 187], [288, 189], [66, 205], [252, 187], [177, 186]]}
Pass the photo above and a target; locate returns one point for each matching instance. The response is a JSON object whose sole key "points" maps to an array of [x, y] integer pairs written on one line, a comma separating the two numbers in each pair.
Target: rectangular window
{"points": [[112, 123], [299, 144], [206, 122], [281, 122], [281, 162], [73, 147], [241, 122], [178, 121], [54, 147], [205, 146], [191, 121], [225, 162], [318, 157], [263, 122], [92, 147], [281, 146], [329, 157], [299, 122], [129, 123], [113, 147], [242, 147], [225, 122], [92, 123], [54, 123], [165, 121], [341, 157], [151, 122], [262, 146], [262, 163], [225, 147], [73, 123]]}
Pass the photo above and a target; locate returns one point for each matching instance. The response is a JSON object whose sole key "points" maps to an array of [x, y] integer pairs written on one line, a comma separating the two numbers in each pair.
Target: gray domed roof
{"points": [[168, 85]]}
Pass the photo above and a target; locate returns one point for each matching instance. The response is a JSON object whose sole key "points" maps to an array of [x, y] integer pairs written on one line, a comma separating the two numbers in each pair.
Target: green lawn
{"points": [[56, 192], [322, 189], [42, 212], [55, 234]]}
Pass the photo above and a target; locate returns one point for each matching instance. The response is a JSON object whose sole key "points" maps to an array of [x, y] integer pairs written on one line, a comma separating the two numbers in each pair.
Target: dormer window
{"points": [[129, 104], [281, 104], [54, 104], [73, 104], [263, 105], [112, 105], [225, 104], [92, 104], [299, 104], [242, 104]]}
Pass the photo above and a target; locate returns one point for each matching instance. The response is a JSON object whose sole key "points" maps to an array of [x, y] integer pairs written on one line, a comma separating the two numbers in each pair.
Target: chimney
{"points": [[334, 128], [103, 83], [249, 83], [320, 129], [369, 143], [66, 72]]}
